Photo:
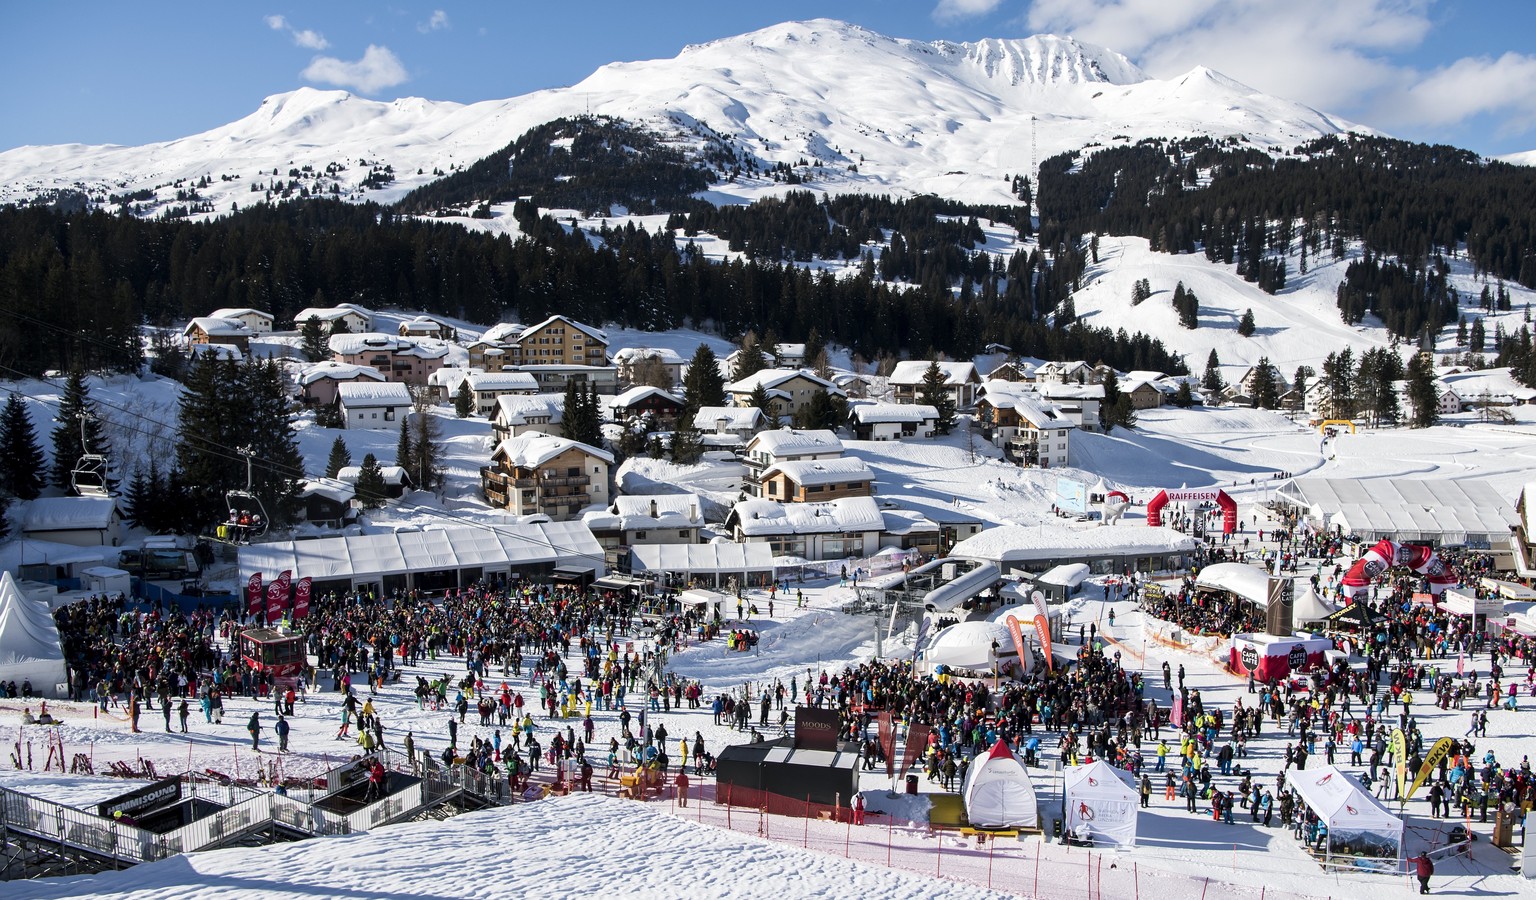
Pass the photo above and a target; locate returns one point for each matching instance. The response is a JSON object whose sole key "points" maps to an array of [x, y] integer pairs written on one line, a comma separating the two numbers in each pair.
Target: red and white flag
{"points": [[301, 591], [253, 595], [277, 596]]}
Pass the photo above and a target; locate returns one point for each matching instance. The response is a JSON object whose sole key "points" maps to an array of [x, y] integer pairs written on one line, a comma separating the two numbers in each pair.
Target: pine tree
{"points": [[703, 385], [74, 407], [426, 451], [1211, 382], [821, 411], [749, 358], [1188, 308], [21, 459], [405, 449], [935, 393], [5, 517], [370, 483], [1108, 411], [1245, 325], [139, 500], [687, 442], [312, 340], [1266, 392], [760, 400], [339, 459], [1479, 335], [1421, 392], [1184, 397], [463, 400], [815, 346]]}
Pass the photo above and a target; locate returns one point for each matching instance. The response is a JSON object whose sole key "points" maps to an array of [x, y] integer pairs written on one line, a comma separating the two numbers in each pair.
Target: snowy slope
{"points": [[948, 118]]}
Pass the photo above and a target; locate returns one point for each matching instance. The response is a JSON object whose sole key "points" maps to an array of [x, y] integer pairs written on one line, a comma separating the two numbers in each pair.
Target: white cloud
{"points": [[438, 22], [954, 10], [1336, 55], [378, 69], [306, 38]]}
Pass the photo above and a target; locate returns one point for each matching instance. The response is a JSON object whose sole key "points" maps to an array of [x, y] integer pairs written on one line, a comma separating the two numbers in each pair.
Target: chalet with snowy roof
{"points": [[781, 445], [836, 529], [427, 327], [492, 349], [632, 362], [557, 340], [788, 390], [318, 383], [212, 330], [256, 321], [343, 317], [855, 384], [373, 404], [396, 479], [78, 521], [638, 402], [728, 426], [539, 473], [1077, 402], [400, 359], [809, 480], [537, 413], [790, 356], [1029, 431], [327, 502], [892, 421], [553, 378], [1145, 394], [1015, 370], [905, 527], [960, 381], [485, 388], [1070, 372], [636, 519]]}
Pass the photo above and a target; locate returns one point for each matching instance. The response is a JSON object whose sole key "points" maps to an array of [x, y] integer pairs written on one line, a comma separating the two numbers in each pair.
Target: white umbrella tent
{"points": [[998, 793], [29, 642], [1101, 797], [1361, 830]]}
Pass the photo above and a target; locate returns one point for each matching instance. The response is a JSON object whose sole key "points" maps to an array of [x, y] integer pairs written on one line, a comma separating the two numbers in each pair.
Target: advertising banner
{"points": [[253, 596], [301, 597], [1043, 632]]}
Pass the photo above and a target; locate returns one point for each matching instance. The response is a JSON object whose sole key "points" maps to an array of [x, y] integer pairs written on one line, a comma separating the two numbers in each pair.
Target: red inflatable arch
{"points": [[1386, 554], [1185, 495]]}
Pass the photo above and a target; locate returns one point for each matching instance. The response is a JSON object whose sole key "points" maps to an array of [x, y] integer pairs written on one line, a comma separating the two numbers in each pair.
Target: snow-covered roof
{"points": [[756, 518], [333, 489], [821, 471], [393, 475], [636, 394], [340, 371], [529, 451], [373, 394], [501, 333], [793, 442], [215, 326], [352, 344], [514, 409], [633, 355], [907, 521], [1066, 575], [721, 558], [634, 512], [873, 413], [362, 557], [789, 350], [231, 312], [422, 322], [69, 513], [1072, 391], [222, 351], [1248, 582], [1024, 543], [502, 381], [330, 313], [737, 418], [1025, 402], [773, 378], [911, 372], [588, 330], [1498, 384]]}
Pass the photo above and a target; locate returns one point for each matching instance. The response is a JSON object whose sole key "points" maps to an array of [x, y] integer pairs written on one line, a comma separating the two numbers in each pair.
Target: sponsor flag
{"points": [[277, 596], [887, 741], [1017, 633], [1176, 715], [1039, 601], [1400, 760], [1043, 632], [1439, 751], [1461, 664], [301, 597], [917, 744], [253, 595]]}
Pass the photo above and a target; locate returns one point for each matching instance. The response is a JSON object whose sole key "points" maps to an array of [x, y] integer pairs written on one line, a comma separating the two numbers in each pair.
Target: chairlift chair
{"points": [[89, 476], [248, 518]]}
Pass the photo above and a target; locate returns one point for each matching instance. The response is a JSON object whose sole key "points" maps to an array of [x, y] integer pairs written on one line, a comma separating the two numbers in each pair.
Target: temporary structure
{"points": [[29, 642], [1100, 796], [997, 791], [1360, 827], [1312, 608], [969, 645]]}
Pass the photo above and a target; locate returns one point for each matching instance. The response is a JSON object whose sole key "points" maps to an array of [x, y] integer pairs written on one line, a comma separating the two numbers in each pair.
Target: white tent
{"points": [[29, 642], [1359, 826], [998, 793], [968, 645], [1312, 608], [1101, 797], [1251, 583]]}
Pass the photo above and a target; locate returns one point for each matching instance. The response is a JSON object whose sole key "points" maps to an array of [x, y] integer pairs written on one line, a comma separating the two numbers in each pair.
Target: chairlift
{"points": [[247, 518], [88, 478]]}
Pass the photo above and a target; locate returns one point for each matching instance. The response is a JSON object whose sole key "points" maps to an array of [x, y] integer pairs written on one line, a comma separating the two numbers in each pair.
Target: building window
{"points": [[682, 532], [639, 535]]}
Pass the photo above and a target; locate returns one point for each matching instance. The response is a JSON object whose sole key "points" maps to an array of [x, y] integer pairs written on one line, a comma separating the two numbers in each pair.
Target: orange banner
{"points": [[1043, 632], [1017, 633]]}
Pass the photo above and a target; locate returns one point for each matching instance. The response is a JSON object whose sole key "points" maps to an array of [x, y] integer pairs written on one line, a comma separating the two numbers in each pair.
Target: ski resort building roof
{"points": [[755, 518], [1105, 548]]}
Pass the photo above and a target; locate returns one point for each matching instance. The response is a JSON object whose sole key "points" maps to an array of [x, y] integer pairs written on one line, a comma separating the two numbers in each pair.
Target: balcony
{"points": [[562, 481]]}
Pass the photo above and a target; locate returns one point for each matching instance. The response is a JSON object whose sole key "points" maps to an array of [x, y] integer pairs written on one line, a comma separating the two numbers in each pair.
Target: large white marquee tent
{"points": [[1448, 511], [29, 642]]}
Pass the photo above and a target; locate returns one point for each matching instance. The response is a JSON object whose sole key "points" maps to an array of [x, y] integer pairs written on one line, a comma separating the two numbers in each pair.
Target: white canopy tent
{"points": [[713, 563], [1360, 827], [1101, 797], [968, 645], [1248, 582], [29, 642], [1310, 607], [997, 791]]}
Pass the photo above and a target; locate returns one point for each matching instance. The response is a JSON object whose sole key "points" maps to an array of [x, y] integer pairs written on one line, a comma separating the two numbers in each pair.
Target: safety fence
{"points": [[1025, 865]]}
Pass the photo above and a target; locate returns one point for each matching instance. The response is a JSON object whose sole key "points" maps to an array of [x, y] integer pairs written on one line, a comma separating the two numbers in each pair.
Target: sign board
{"points": [[1193, 495], [1072, 495], [816, 729], [141, 800]]}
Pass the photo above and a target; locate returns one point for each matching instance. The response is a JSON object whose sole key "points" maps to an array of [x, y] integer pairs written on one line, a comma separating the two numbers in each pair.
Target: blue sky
{"points": [[1453, 71]]}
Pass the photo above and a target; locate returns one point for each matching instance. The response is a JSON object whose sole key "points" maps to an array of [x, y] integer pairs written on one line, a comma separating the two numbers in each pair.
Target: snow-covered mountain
{"points": [[942, 117]]}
